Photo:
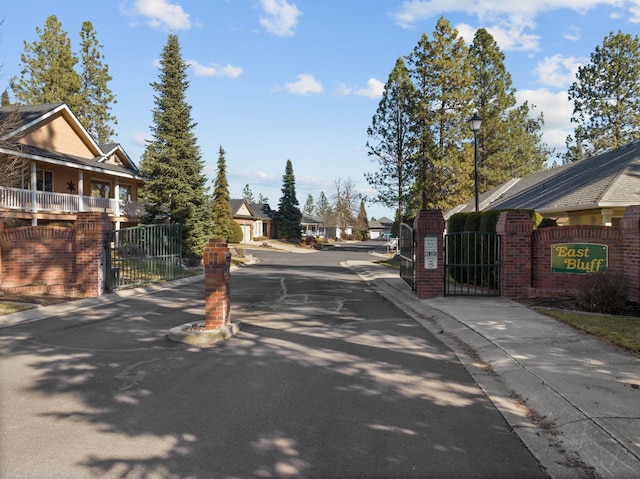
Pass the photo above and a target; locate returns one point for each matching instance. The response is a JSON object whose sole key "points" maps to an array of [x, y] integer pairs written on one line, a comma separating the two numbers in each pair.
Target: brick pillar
{"points": [[217, 300], [630, 229], [429, 230], [89, 247], [515, 228]]}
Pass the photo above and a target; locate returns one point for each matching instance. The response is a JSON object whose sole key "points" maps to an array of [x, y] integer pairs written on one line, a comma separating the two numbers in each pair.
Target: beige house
{"points": [[61, 170], [594, 191]]}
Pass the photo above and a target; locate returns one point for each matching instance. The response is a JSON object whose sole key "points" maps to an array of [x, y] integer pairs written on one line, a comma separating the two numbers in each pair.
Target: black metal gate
{"points": [[407, 254], [472, 263], [142, 255]]}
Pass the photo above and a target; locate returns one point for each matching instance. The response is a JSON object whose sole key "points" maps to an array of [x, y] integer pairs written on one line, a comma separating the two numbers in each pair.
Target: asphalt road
{"points": [[325, 380]]}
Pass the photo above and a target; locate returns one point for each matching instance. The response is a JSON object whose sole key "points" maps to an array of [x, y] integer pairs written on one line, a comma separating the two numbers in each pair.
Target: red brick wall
{"points": [[429, 282], [217, 284], [543, 278], [53, 260], [37, 255]]}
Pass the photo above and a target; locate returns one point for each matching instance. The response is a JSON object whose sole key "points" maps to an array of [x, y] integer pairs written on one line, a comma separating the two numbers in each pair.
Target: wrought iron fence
{"points": [[472, 263], [142, 255], [407, 255]]}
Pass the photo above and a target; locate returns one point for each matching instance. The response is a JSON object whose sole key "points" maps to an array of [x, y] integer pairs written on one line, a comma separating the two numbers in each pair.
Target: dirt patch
{"points": [[570, 304], [41, 300]]}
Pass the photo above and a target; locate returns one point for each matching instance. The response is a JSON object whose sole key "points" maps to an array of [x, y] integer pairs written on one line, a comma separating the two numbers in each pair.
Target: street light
{"points": [[474, 123]]}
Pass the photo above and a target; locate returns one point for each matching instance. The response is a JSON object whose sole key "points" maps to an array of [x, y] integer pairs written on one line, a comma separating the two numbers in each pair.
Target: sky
{"points": [[300, 80]]}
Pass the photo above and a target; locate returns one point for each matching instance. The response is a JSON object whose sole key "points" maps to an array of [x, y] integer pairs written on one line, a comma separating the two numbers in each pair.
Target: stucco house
{"points": [[264, 224], [62, 171], [594, 191], [243, 215], [380, 228]]}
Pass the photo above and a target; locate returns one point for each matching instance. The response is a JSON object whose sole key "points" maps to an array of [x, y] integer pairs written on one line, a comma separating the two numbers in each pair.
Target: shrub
{"points": [[191, 260], [547, 222], [236, 233], [310, 240], [603, 293]]}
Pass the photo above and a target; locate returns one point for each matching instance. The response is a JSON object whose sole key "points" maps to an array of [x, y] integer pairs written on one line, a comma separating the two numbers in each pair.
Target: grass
{"points": [[623, 331], [391, 262], [8, 308]]}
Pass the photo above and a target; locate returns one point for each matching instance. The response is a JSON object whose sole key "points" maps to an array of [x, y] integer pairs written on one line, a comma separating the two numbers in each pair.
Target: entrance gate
{"points": [[472, 263], [141, 255], [407, 248]]}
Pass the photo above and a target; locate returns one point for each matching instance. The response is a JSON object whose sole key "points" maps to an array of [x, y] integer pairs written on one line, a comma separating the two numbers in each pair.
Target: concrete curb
{"points": [[194, 334]]}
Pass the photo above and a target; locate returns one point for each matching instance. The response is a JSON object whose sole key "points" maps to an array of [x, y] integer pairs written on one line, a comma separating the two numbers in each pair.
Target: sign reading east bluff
{"points": [[579, 258]]}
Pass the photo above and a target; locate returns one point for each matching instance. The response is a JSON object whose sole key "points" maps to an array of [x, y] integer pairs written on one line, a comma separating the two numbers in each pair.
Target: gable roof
{"points": [[111, 158], [610, 179], [262, 211], [381, 223], [237, 207]]}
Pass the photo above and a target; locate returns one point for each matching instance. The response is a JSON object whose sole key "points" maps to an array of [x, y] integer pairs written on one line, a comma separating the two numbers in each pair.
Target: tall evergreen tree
{"points": [[48, 74], [323, 209], [509, 140], [391, 142], [97, 99], [289, 215], [606, 98], [362, 223], [442, 77], [221, 204], [172, 161]]}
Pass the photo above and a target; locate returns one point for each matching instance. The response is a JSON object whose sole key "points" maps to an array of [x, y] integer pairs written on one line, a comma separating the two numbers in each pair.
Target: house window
{"points": [[100, 189], [44, 180], [125, 193]]}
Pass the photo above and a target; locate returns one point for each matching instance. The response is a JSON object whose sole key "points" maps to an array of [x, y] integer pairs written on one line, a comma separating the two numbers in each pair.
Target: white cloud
{"points": [[573, 33], [280, 17], [375, 89], [507, 20], [141, 138], [162, 14], [558, 71], [557, 111], [214, 70], [343, 89], [306, 84]]}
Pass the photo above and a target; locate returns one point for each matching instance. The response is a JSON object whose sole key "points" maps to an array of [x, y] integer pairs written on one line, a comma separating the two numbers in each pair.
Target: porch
{"points": [[33, 202]]}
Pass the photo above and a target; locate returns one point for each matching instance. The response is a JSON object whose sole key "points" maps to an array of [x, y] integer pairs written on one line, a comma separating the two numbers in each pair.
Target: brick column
{"points": [[630, 229], [89, 246], [429, 229], [217, 300], [515, 228]]}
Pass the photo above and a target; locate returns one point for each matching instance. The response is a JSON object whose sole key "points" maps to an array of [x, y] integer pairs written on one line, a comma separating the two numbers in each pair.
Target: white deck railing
{"points": [[28, 200]]}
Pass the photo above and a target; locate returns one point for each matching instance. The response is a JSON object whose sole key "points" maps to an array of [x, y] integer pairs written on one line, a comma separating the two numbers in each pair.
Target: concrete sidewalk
{"points": [[581, 395]]}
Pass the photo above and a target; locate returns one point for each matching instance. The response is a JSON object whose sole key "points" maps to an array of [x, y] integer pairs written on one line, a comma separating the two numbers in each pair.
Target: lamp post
{"points": [[474, 123]]}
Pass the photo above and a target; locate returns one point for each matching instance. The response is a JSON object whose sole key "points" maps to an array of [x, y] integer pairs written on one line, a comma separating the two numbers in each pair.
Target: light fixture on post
{"points": [[474, 123]]}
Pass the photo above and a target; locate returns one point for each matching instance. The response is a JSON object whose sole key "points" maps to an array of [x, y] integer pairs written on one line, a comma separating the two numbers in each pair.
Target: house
{"points": [[380, 228], [594, 191], [243, 215], [264, 224], [312, 227], [62, 171]]}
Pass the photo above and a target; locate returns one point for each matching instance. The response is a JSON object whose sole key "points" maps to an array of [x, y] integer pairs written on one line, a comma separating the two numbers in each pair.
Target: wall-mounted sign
{"points": [[430, 252], [579, 258]]}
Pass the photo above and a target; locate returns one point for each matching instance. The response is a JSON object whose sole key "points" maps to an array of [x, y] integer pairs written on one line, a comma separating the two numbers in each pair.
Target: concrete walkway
{"points": [[581, 394]]}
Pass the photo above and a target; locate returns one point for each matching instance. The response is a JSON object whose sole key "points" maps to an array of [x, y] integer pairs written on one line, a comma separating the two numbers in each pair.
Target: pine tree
{"points": [[509, 140], [310, 206], [323, 209], [262, 199], [221, 204], [172, 161], [442, 77], [362, 224], [247, 194], [6, 101], [97, 98], [48, 74], [391, 142], [606, 98], [289, 215]]}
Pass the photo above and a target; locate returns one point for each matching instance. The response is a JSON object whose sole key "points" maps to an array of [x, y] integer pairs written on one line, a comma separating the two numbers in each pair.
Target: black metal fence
{"points": [[142, 255], [407, 250], [472, 263]]}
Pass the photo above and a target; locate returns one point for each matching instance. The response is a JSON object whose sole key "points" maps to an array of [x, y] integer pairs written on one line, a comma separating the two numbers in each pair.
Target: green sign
{"points": [[579, 258]]}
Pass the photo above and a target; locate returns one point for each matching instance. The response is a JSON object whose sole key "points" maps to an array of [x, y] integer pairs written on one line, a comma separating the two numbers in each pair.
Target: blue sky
{"points": [[272, 80]]}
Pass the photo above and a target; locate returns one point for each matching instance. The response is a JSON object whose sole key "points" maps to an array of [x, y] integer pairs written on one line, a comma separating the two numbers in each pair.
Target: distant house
{"points": [[380, 228], [243, 215], [595, 191], [63, 171], [264, 223], [312, 227]]}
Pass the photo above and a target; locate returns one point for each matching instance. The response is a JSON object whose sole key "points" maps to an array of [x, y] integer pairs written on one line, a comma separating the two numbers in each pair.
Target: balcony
{"points": [[44, 201]]}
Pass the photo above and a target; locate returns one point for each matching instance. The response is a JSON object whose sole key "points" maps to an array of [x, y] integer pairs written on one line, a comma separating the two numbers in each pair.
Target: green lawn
{"points": [[623, 331]]}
